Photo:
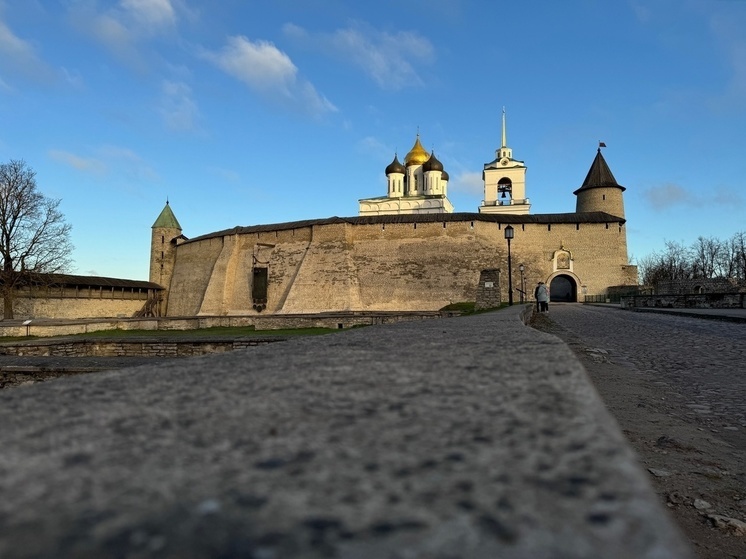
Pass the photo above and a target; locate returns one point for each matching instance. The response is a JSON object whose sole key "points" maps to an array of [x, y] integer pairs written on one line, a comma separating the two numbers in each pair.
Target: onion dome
{"points": [[444, 176], [395, 167], [432, 164], [417, 155]]}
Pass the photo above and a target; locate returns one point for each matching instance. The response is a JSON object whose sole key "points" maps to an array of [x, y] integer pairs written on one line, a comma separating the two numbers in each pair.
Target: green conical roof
{"points": [[167, 219]]}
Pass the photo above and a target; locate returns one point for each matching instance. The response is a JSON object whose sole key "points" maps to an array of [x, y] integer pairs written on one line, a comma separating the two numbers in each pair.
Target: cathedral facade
{"points": [[405, 251]]}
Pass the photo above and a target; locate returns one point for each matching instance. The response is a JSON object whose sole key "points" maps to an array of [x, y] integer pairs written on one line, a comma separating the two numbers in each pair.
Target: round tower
{"points": [[165, 233], [600, 192]]}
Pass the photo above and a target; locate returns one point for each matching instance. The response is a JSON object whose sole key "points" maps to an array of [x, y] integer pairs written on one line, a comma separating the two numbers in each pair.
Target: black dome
{"points": [[432, 164], [395, 167]]}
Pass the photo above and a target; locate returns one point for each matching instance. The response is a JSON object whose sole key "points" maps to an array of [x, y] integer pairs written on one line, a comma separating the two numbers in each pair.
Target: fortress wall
{"points": [[220, 285], [326, 278], [396, 266], [192, 272], [75, 308]]}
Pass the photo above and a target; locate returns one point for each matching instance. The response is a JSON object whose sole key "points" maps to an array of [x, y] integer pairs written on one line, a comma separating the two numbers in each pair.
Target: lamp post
{"points": [[508, 237], [523, 285]]}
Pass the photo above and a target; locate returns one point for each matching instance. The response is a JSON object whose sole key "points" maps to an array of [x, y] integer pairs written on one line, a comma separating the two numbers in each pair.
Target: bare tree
{"points": [[34, 237], [673, 264], [707, 258], [737, 255]]}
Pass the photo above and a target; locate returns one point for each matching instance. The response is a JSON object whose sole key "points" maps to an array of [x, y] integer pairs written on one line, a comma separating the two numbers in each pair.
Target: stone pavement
{"points": [[730, 315], [467, 437], [700, 363]]}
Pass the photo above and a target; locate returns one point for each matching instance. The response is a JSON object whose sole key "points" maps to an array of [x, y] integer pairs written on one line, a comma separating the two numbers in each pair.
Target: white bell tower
{"points": [[504, 181]]}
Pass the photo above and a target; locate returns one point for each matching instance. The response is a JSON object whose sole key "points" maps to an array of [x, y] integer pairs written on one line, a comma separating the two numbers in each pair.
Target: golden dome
{"points": [[417, 155]]}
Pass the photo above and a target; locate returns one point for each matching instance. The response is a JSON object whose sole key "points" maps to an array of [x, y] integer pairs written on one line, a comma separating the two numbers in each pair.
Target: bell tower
{"points": [[504, 181]]}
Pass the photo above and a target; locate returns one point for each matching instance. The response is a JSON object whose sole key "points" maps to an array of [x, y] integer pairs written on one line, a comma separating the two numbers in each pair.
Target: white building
{"points": [[419, 186]]}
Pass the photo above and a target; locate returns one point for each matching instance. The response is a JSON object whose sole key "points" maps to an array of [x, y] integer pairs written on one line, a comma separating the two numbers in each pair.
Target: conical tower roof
{"points": [[599, 175], [167, 219]]}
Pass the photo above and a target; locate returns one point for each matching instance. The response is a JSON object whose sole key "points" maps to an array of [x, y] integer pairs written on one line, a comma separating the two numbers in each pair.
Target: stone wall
{"points": [[259, 322], [388, 265], [71, 303], [488, 290], [701, 285], [690, 301], [130, 348]]}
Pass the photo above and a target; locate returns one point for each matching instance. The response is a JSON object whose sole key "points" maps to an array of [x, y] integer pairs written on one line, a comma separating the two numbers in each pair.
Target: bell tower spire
{"points": [[505, 134], [504, 180]]}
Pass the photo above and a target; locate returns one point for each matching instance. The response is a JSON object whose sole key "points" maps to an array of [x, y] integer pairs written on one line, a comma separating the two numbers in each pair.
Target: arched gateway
{"points": [[563, 289]]}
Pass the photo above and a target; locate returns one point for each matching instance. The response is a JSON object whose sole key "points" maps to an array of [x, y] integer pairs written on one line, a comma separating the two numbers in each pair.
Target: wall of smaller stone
{"points": [[701, 285], [103, 348], [488, 290], [260, 322], [71, 307], [691, 301]]}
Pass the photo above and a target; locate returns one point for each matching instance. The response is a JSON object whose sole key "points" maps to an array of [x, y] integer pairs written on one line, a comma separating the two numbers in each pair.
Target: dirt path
{"points": [[684, 419]]}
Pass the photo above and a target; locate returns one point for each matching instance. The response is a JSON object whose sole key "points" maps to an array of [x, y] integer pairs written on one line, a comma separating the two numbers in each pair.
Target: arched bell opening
{"points": [[504, 191]]}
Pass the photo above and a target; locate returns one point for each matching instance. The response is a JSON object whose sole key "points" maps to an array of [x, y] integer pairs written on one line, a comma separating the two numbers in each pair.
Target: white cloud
{"points": [[722, 196], [85, 164], [108, 161], [728, 29], [391, 60], [467, 182], [151, 13], [127, 163], [226, 174], [267, 70], [124, 28], [19, 57], [178, 110], [667, 196], [260, 65], [374, 146]]}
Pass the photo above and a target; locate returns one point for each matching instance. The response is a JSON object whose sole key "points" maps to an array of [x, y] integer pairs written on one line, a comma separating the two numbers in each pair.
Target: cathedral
{"points": [[405, 251]]}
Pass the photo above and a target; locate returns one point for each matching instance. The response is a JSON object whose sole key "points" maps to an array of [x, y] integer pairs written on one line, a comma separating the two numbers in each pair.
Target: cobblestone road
{"points": [[699, 364]]}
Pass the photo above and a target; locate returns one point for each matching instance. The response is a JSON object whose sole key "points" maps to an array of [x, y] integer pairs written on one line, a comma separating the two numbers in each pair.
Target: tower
{"points": [[504, 181], [166, 232], [600, 192]]}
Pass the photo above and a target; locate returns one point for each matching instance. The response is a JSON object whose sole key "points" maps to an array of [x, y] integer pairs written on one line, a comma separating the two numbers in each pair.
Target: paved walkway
{"points": [[732, 315], [700, 363], [469, 437]]}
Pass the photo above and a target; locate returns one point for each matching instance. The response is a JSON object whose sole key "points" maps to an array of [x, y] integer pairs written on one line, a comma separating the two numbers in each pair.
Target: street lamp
{"points": [[509, 236], [523, 285]]}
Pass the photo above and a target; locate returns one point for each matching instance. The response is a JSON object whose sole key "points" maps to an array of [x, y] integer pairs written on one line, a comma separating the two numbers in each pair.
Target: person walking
{"points": [[542, 297]]}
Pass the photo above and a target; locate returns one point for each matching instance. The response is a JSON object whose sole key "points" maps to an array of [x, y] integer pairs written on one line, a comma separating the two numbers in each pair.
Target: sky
{"points": [[245, 112]]}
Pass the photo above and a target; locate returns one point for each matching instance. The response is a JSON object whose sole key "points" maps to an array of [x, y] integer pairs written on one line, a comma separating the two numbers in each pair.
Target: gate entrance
{"points": [[563, 290]]}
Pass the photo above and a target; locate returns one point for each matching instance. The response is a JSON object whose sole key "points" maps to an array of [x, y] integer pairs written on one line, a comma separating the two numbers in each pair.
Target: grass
{"points": [[467, 307]]}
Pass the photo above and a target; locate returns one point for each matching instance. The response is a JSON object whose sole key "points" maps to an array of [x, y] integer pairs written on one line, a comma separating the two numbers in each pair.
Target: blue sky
{"points": [[243, 112]]}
